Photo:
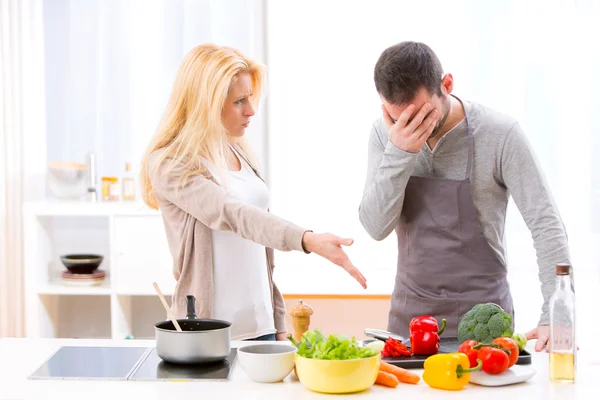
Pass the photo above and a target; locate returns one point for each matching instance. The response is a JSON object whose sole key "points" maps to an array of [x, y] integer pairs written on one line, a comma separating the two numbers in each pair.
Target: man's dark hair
{"points": [[404, 68]]}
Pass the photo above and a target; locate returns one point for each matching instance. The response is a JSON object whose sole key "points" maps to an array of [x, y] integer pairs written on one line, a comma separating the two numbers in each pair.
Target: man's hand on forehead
{"points": [[409, 132], [413, 112]]}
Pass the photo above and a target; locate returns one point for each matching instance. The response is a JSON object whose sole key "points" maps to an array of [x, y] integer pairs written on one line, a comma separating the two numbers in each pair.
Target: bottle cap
{"points": [[562, 269]]}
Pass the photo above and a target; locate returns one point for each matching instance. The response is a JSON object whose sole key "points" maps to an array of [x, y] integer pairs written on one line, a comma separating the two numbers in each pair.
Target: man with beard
{"points": [[440, 173]]}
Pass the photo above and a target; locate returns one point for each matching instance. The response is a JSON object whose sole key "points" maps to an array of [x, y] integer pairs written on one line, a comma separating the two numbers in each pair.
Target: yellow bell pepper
{"points": [[448, 371]]}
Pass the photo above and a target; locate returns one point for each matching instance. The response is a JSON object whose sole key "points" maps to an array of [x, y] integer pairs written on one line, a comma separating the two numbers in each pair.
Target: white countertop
{"points": [[21, 357]]}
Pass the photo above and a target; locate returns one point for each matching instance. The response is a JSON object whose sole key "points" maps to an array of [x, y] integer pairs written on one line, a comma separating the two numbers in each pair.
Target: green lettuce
{"points": [[314, 344]]}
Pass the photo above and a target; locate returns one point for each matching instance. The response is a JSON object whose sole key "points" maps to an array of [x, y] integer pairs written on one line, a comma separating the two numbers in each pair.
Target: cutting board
{"points": [[447, 345], [515, 374]]}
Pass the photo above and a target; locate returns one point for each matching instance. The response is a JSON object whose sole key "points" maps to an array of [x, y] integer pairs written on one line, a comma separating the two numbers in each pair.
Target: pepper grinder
{"points": [[300, 319]]}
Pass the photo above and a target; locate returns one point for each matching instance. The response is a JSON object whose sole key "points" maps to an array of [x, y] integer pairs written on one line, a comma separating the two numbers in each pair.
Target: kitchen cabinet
{"points": [[141, 254]]}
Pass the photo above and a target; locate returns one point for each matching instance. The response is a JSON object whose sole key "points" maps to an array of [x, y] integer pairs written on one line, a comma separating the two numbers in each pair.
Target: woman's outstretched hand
{"points": [[330, 247]]}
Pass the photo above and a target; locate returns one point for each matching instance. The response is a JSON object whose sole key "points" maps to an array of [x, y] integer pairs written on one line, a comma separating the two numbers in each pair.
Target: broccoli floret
{"points": [[500, 325], [481, 332], [483, 314], [484, 323], [471, 324], [471, 313]]}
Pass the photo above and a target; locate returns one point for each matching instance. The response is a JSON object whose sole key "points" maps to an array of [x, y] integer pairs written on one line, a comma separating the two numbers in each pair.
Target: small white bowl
{"points": [[267, 363], [67, 180]]}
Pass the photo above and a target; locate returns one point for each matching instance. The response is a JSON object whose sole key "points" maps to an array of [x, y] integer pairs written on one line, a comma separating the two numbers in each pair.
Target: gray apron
{"points": [[445, 264]]}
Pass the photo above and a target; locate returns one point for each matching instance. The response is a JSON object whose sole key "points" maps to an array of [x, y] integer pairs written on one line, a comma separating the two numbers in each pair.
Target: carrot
{"points": [[402, 374], [386, 379]]}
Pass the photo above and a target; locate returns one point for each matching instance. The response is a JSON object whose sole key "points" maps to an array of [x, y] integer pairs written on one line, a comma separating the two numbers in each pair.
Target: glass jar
{"points": [[110, 188]]}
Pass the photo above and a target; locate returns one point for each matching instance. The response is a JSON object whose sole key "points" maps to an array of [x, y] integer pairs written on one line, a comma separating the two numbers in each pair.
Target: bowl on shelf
{"points": [[81, 263], [67, 180]]}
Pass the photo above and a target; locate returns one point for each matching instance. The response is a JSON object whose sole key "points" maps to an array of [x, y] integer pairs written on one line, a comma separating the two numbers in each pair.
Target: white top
{"points": [[242, 294], [19, 358]]}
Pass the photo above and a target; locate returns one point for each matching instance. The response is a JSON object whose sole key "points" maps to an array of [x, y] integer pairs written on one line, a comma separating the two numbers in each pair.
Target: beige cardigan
{"points": [[190, 212]]}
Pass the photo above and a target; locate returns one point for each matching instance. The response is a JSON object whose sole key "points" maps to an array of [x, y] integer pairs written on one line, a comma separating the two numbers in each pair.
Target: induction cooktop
{"points": [[127, 363], [103, 363], [153, 368]]}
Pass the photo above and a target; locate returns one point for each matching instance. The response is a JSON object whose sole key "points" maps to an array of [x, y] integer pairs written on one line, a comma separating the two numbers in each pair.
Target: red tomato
{"points": [[510, 345], [467, 348], [494, 361]]}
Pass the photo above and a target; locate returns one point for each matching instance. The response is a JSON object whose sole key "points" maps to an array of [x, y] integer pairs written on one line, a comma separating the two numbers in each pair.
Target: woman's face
{"points": [[238, 110]]}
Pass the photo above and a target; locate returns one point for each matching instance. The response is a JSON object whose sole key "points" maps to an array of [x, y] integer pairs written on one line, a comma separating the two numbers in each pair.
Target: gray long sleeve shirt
{"points": [[504, 165]]}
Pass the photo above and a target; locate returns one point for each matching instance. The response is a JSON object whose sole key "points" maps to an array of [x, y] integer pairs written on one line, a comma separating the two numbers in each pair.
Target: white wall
{"points": [[534, 60]]}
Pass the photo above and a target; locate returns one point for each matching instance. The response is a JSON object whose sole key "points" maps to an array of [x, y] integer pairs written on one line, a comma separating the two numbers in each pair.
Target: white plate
{"points": [[515, 374]]}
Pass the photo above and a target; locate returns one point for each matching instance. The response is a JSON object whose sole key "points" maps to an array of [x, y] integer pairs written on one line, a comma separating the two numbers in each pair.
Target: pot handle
{"points": [[191, 307]]}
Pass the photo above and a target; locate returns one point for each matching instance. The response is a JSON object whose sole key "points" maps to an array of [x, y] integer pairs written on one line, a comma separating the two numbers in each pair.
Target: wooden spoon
{"points": [[167, 309]]}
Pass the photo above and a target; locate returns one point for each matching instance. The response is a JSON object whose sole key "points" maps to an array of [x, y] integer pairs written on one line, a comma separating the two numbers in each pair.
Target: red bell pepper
{"points": [[424, 335], [394, 348]]}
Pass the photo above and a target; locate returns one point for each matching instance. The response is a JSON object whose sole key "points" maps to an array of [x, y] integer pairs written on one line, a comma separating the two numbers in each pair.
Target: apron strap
{"points": [[471, 140], [471, 151]]}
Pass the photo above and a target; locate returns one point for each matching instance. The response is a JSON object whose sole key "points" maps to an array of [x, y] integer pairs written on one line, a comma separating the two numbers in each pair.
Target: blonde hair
{"points": [[191, 127]]}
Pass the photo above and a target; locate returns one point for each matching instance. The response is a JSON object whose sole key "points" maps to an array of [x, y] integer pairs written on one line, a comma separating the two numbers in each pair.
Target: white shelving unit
{"points": [[131, 238]]}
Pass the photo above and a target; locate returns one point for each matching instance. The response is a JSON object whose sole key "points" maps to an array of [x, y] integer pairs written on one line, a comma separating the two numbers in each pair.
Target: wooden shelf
{"points": [[59, 288], [142, 292], [88, 209]]}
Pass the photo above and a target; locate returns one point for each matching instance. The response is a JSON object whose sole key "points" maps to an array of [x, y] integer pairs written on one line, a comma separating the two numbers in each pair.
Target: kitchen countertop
{"points": [[21, 357]]}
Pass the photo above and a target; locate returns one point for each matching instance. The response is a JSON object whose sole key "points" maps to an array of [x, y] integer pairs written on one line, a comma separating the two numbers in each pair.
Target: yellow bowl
{"points": [[337, 376]]}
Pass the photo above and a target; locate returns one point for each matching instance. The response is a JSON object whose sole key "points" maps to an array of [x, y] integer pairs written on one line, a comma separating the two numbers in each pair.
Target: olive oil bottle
{"points": [[128, 183], [563, 349]]}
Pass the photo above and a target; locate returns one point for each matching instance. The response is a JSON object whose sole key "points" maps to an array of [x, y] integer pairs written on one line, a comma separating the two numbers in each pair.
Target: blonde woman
{"points": [[199, 171]]}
